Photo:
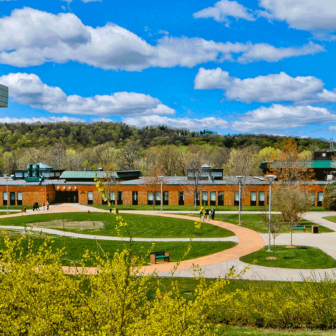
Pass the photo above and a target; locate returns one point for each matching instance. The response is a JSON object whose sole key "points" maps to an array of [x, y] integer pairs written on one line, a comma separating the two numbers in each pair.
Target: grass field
{"points": [[255, 222], [301, 257], [139, 225], [75, 248], [331, 218]]}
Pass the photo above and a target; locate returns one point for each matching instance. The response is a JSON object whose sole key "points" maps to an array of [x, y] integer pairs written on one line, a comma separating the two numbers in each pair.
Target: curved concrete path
{"points": [[248, 240]]}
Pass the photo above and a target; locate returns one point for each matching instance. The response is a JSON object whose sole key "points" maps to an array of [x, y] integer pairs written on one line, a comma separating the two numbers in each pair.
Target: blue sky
{"points": [[257, 66]]}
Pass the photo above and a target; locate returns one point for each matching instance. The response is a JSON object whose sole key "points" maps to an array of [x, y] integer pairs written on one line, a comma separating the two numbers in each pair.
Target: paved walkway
{"points": [[219, 264]]}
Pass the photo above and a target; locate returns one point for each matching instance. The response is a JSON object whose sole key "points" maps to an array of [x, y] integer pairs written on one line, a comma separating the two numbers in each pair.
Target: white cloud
{"points": [[28, 89], [8, 120], [309, 15], [282, 117], [265, 89], [31, 37], [193, 124], [224, 9]]}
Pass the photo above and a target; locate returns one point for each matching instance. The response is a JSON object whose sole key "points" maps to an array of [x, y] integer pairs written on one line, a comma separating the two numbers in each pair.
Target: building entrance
{"points": [[66, 197]]}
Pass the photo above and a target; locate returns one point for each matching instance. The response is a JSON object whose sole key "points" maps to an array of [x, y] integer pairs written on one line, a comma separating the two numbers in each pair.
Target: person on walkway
{"points": [[212, 213], [37, 206], [43, 206], [34, 206], [202, 215], [47, 205], [207, 213], [110, 207]]}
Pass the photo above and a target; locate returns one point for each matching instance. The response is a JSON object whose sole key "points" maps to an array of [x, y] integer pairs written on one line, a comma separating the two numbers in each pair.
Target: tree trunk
{"points": [[273, 246], [291, 236]]}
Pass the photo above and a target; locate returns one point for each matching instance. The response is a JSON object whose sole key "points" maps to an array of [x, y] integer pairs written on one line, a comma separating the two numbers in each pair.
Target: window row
{"points": [[12, 199]]}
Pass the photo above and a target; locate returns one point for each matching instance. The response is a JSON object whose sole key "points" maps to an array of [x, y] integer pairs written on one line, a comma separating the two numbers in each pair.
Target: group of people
{"points": [[37, 208], [205, 214]]}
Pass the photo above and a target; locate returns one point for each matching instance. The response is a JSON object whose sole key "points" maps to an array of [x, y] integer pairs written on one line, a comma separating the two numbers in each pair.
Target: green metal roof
{"points": [[83, 174], [316, 164]]}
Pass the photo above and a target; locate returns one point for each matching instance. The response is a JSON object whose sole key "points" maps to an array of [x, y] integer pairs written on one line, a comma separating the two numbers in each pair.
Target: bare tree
{"points": [[275, 225], [292, 202], [153, 182], [128, 155]]}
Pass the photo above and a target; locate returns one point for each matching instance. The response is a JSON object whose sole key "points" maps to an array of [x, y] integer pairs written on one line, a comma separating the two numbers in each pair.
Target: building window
{"points": [[221, 198], [198, 198], [204, 198], [19, 198], [150, 198], [165, 198], [261, 198], [90, 197], [236, 198], [157, 198], [12, 198], [134, 198], [213, 198], [181, 198], [120, 198], [320, 198], [18, 175], [112, 197], [104, 201], [4, 198], [253, 198]]}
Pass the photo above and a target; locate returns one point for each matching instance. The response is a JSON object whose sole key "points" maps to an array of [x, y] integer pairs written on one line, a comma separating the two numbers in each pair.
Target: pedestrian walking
{"points": [[37, 206], [47, 205], [43, 206], [207, 213], [34, 206], [110, 207], [212, 213]]}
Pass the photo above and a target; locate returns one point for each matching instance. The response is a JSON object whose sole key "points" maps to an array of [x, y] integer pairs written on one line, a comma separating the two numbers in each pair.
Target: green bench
{"points": [[160, 255], [299, 227]]}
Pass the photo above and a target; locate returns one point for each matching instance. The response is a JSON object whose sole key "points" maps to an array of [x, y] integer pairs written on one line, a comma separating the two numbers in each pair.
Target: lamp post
{"points": [[161, 179], [6, 178], [270, 179], [240, 180]]}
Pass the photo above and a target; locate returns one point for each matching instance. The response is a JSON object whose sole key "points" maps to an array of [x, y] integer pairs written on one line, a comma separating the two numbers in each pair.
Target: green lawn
{"points": [[15, 207], [301, 257], [331, 218], [255, 222], [233, 331], [139, 225], [75, 248]]}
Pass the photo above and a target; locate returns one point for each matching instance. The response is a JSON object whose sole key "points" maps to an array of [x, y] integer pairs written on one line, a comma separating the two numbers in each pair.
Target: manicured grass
{"points": [[15, 207], [330, 218], [301, 257], [75, 248], [318, 209], [255, 222], [139, 225], [233, 331]]}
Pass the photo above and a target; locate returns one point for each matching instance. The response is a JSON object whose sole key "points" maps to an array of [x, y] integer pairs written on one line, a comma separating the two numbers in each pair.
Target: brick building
{"points": [[129, 188]]}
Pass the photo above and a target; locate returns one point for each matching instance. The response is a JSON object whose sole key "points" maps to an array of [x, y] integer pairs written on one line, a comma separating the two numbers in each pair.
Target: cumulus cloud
{"points": [[282, 117], [30, 37], [265, 89], [309, 15], [28, 89], [224, 9], [193, 124], [8, 120]]}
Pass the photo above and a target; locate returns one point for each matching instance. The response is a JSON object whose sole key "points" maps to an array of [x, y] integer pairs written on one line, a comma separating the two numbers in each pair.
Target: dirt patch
{"points": [[291, 246], [59, 224], [272, 258]]}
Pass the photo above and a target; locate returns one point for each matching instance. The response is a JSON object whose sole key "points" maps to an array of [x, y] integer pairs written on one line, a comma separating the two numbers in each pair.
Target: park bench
{"points": [[299, 227], [159, 255]]}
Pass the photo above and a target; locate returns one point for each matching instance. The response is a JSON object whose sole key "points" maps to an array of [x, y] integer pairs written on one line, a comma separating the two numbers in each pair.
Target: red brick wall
{"points": [[30, 194]]}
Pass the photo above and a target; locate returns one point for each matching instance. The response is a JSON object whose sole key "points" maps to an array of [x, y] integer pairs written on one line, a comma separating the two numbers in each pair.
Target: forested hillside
{"points": [[75, 135], [78, 146]]}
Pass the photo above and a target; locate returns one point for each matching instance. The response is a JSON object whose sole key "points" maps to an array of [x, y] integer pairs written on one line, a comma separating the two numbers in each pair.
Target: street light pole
{"points": [[7, 195], [270, 179], [161, 179], [240, 179]]}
